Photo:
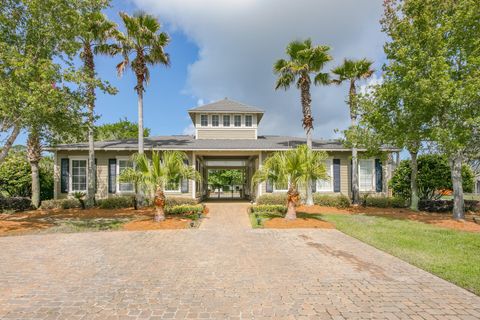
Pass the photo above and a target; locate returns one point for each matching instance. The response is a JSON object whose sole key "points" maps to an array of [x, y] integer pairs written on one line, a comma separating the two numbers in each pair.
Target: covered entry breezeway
{"points": [[226, 177]]}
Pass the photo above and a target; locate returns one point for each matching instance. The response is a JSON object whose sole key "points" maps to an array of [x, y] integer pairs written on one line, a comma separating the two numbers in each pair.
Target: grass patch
{"points": [[258, 218], [82, 225], [467, 196], [450, 254]]}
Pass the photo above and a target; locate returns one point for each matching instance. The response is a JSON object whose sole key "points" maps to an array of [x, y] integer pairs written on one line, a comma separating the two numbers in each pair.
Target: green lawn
{"points": [[467, 196], [451, 255]]}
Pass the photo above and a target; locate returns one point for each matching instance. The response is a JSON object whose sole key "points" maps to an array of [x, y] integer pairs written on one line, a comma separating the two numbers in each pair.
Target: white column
{"points": [[194, 183], [260, 163]]}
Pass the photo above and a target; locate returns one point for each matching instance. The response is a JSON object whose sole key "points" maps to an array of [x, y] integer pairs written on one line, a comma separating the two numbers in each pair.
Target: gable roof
{"points": [[226, 105], [189, 143]]}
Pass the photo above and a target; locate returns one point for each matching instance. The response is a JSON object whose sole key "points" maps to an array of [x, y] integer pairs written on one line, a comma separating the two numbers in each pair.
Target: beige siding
{"points": [[226, 134], [102, 171]]}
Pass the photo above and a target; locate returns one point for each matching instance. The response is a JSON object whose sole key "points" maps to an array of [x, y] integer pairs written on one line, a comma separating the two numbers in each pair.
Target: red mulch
{"points": [[443, 220]]}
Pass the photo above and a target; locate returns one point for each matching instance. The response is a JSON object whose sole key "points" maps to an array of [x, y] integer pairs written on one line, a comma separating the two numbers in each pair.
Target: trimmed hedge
{"points": [[269, 208], [272, 199], [177, 201], [184, 209], [15, 204], [385, 202], [119, 202], [446, 205], [60, 204], [339, 201]]}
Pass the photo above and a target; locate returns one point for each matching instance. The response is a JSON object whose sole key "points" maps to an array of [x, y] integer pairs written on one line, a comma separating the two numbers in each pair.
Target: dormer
{"points": [[226, 119]]}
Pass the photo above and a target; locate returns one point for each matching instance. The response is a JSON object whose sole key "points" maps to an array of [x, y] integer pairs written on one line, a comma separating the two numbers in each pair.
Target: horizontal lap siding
{"points": [[226, 134]]}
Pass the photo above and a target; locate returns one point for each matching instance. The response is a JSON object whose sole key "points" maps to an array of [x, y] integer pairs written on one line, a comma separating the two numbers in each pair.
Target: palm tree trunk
{"points": [[307, 125], [140, 122], [458, 201], [34, 154], [90, 70], [9, 143], [413, 181], [353, 124], [159, 205], [292, 200]]}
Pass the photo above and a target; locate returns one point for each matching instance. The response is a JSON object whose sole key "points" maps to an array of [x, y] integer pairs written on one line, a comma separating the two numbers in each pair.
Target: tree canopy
{"points": [[120, 130]]}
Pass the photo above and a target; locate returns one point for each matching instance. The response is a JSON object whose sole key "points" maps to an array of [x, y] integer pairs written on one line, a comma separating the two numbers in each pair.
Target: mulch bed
{"points": [[443, 220], [40, 220]]}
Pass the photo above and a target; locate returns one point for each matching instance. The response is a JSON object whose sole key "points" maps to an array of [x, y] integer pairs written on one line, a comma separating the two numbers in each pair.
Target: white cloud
{"points": [[190, 130], [239, 40], [373, 81]]}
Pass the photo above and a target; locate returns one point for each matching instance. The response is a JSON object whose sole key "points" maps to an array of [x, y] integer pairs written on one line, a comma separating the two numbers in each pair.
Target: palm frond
{"points": [[322, 79], [296, 47], [122, 66], [285, 80]]}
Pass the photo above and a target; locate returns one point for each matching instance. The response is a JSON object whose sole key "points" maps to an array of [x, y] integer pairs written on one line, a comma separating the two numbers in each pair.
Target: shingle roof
{"points": [[185, 142], [226, 105]]}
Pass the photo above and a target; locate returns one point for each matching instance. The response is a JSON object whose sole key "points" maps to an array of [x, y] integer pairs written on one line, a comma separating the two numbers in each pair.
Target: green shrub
{"points": [[446, 205], [269, 208], [433, 175], [339, 201], [177, 201], [15, 204], [272, 199], [60, 204], [385, 202], [16, 179], [184, 209], [119, 202]]}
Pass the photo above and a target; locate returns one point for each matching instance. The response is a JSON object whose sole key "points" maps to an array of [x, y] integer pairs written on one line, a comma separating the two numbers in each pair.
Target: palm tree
{"points": [[147, 44], [304, 61], [96, 30], [134, 177], [294, 167], [157, 173], [353, 71]]}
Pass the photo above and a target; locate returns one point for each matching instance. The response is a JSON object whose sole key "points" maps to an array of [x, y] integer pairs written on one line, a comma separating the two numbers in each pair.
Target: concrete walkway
{"points": [[224, 270]]}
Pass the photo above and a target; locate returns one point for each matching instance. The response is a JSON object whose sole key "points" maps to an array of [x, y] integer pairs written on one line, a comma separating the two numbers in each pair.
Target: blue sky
{"points": [[165, 99], [226, 48]]}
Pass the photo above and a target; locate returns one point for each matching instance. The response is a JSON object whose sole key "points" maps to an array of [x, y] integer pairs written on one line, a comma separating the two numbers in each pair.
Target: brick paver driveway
{"points": [[222, 270]]}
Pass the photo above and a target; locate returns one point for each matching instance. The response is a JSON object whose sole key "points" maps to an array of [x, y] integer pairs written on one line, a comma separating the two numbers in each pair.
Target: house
{"points": [[226, 136]]}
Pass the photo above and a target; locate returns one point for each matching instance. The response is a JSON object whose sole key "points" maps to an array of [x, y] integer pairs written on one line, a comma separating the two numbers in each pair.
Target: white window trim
{"points": [[229, 121], [241, 120], [218, 118], [330, 174], [70, 175], [117, 170], [281, 190], [208, 120], [245, 117], [374, 187], [177, 190]]}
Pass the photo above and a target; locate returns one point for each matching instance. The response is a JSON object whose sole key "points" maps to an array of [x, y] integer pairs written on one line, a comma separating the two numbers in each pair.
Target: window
{"points": [[237, 120], [79, 175], [366, 174], [281, 186], [122, 165], [226, 120], [248, 121], [173, 185], [326, 185], [204, 120], [215, 120]]}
